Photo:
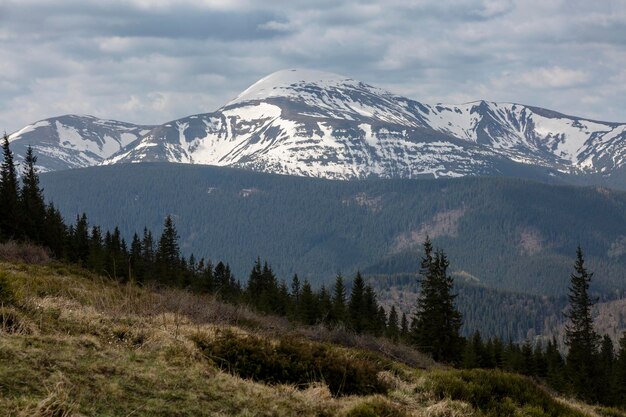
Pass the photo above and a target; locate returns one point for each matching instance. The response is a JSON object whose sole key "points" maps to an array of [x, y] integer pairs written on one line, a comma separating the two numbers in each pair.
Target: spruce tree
{"points": [[80, 241], [555, 366], [10, 227], [308, 305], [393, 330], [404, 328], [168, 253], [339, 301], [295, 294], [356, 305], [55, 231], [136, 260], [372, 318], [606, 363], [96, 259], [620, 374], [437, 322], [31, 200], [581, 338], [325, 304]]}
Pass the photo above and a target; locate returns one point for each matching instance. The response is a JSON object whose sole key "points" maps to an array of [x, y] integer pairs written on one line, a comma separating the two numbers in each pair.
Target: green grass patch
{"points": [[498, 393]]}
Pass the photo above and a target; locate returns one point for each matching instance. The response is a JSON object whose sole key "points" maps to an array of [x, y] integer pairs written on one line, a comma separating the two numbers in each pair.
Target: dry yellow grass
{"points": [[82, 345]]}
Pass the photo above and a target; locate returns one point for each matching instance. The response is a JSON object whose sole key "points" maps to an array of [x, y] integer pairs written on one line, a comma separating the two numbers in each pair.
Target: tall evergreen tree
{"points": [[295, 294], [168, 253], [356, 305], [10, 227], [437, 321], [80, 241], [55, 231], [95, 260], [325, 305], [555, 366], [581, 338], [136, 259], [404, 328], [393, 330], [620, 374], [339, 314], [606, 364], [308, 305], [31, 200], [371, 318]]}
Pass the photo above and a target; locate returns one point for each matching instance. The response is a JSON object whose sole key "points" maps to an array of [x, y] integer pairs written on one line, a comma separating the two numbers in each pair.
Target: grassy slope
{"points": [[75, 344]]}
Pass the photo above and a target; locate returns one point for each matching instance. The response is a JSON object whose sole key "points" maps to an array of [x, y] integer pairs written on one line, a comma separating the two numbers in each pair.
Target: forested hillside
{"points": [[503, 233]]}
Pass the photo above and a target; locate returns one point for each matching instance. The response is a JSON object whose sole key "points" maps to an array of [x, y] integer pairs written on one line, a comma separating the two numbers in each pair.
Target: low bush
{"points": [[292, 361], [24, 252], [375, 408], [498, 393]]}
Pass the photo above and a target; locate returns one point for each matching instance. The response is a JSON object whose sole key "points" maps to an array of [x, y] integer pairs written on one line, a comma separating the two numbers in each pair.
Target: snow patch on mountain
{"points": [[313, 123]]}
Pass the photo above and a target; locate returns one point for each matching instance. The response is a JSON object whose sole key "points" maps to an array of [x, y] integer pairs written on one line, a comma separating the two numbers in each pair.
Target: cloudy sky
{"points": [[150, 61]]}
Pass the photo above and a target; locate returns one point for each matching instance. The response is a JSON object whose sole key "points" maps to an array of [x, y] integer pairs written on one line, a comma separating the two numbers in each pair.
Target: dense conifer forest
{"points": [[593, 368], [502, 233]]}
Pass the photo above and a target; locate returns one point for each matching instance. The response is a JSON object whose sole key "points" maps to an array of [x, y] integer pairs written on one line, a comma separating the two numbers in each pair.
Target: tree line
{"points": [[591, 369], [26, 217]]}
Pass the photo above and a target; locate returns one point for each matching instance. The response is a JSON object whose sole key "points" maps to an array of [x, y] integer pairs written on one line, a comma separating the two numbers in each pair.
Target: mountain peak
{"points": [[280, 83]]}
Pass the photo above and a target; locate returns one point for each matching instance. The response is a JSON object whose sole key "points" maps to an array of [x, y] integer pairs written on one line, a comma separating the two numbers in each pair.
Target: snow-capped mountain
{"points": [[312, 123], [73, 141]]}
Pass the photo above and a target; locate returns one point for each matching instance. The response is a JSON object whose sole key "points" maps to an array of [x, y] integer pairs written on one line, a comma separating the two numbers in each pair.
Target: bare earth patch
{"points": [[444, 223], [531, 242]]}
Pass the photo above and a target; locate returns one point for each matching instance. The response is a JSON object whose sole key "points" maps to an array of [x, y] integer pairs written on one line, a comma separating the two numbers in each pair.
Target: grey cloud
{"points": [[145, 64]]}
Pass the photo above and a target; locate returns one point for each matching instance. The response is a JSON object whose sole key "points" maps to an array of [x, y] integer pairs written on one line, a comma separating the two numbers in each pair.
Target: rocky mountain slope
{"points": [[310, 123], [73, 141]]}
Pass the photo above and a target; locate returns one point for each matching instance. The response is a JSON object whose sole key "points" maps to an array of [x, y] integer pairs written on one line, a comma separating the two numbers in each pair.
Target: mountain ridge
{"points": [[311, 123]]}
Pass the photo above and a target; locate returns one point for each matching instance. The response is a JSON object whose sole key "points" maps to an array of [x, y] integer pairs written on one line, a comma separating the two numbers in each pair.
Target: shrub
{"points": [[293, 361], [498, 393], [375, 408], [24, 252]]}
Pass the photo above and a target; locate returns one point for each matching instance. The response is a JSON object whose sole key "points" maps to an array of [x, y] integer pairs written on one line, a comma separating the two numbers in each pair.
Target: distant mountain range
{"points": [[316, 124]]}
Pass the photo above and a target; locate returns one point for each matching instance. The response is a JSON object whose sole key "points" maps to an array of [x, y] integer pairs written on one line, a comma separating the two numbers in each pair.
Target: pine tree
{"points": [[356, 305], [437, 321], [55, 231], [540, 362], [555, 366], [147, 255], [31, 200], [325, 304], [295, 298], [606, 363], [308, 305], [339, 301], [393, 331], [372, 317], [404, 328], [206, 281], [472, 353], [581, 338], [136, 260], [95, 260], [620, 374], [283, 301], [80, 241], [168, 253], [10, 227]]}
